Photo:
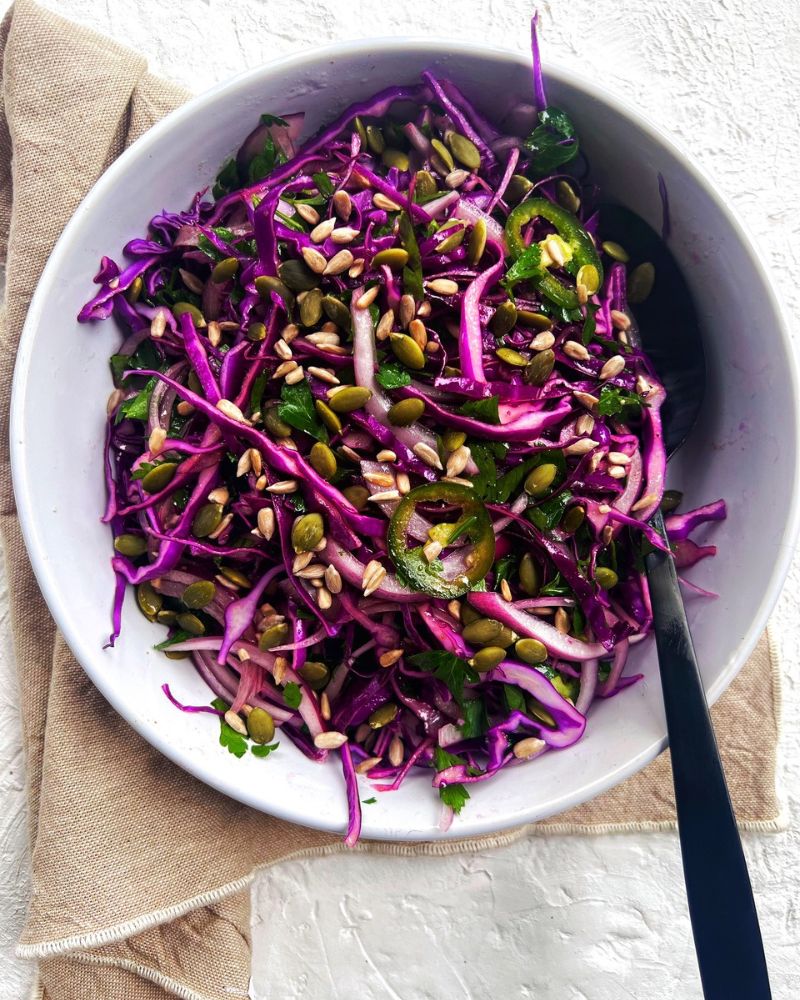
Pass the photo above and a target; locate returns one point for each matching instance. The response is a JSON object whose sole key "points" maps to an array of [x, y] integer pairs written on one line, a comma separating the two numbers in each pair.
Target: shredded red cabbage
{"points": [[348, 320]]}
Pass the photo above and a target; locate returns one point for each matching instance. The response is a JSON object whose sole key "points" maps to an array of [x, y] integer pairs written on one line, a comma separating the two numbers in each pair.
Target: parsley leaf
{"points": [[292, 695], [547, 515], [369, 802], [412, 272], [323, 183], [553, 142], [514, 698], [227, 179], [448, 668], [263, 749], [138, 407], [297, 409], [589, 324], [442, 759], [146, 356], [257, 391], [503, 569], [454, 796], [267, 119], [485, 410], [511, 481], [487, 470], [614, 402], [178, 637], [527, 265], [233, 742], [475, 720], [393, 375], [555, 588]]}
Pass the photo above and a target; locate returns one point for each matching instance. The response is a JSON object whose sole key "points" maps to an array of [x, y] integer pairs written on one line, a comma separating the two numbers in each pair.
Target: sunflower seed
{"points": [[643, 387], [408, 308], [295, 375], [214, 333], [357, 268], [443, 286], [219, 495], [607, 535], [617, 471], [283, 350], [385, 496], [236, 722], [321, 232], [283, 486], [158, 324], [342, 204], [380, 200], [418, 333], [458, 481], [385, 324], [339, 263], [114, 400], [613, 367], [365, 301], [390, 657], [531, 746], [345, 234], [307, 213], [184, 408], [582, 447], [505, 591], [279, 669], [379, 478], [554, 246], [396, 751], [322, 337], [373, 576], [542, 341], [403, 483], [333, 579], [231, 410], [301, 560], [244, 465], [457, 461], [576, 351], [427, 454], [456, 178], [266, 522], [283, 369], [584, 424], [646, 501], [323, 374], [155, 442], [561, 621], [315, 260], [586, 399], [314, 571], [223, 524], [619, 458], [431, 550], [365, 766], [330, 740]]}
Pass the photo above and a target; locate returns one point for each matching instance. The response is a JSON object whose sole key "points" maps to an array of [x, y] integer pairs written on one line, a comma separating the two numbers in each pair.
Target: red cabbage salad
{"points": [[380, 454]]}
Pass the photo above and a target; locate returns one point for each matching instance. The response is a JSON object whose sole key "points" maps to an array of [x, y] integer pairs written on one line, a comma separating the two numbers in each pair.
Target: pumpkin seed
{"points": [[266, 284], [328, 417], [297, 276], [375, 139], [487, 658], [357, 495], [477, 242], [589, 277], [172, 654], [362, 132], [511, 357], [615, 251], [235, 576], [444, 154], [307, 532], [130, 545], [605, 577], [167, 617], [336, 311], [406, 412], [383, 715], [453, 241], [407, 351], [351, 397], [275, 635], [539, 368], [323, 460], [207, 520], [464, 150], [149, 600], [181, 308], [540, 479], [531, 650], [483, 632], [311, 307], [395, 158], [538, 321], [135, 290], [518, 188], [159, 477], [225, 270], [260, 726], [256, 332], [670, 500], [425, 186], [190, 623], [452, 440], [394, 257], [315, 674], [640, 283], [504, 319], [199, 594], [529, 576], [573, 519], [273, 423], [567, 197]]}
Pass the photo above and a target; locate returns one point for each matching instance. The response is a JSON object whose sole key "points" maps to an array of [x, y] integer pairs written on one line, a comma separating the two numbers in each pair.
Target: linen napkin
{"points": [[141, 873]]}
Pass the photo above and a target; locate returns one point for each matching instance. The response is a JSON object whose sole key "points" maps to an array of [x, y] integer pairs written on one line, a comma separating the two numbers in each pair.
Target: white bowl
{"points": [[744, 447]]}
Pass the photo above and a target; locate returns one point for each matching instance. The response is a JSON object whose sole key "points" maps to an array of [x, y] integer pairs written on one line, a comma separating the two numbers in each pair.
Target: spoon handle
{"points": [[727, 937]]}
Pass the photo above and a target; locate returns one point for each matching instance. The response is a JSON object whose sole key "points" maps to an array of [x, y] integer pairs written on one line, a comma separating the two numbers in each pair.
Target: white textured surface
{"points": [[598, 918]]}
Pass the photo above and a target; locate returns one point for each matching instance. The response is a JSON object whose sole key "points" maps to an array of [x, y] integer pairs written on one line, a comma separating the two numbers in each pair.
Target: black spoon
{"points": [[727, 937]]}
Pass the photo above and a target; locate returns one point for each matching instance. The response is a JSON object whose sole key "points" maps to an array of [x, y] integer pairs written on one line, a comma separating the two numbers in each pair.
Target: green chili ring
{"points": [[570, 230], [474, 523]]}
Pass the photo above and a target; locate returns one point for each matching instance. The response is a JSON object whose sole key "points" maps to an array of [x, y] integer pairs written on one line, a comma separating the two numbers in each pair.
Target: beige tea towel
{"points": [[140, 873]]}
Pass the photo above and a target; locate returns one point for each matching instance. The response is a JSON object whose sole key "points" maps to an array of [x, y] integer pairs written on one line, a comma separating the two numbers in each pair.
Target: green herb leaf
{"points": [[292, 695], [369, 802], [448, 668], [142, 469], [555, 588], [297, 409], [393, 375], [412, 272], [257, 391], [442, 759], [547, 515], [233, 742], [486, 476], [614, 402], [475, 719], [178, 637], [485, 410], [208, 248], [323, 183], [138, 407], [511, 481], [553, 142], [503, 569], [263, 749], [292, 224], [527, 265], [589, 324], [227, 179], [267, 119], [454, 796], [146, 356], [514, 698]]}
